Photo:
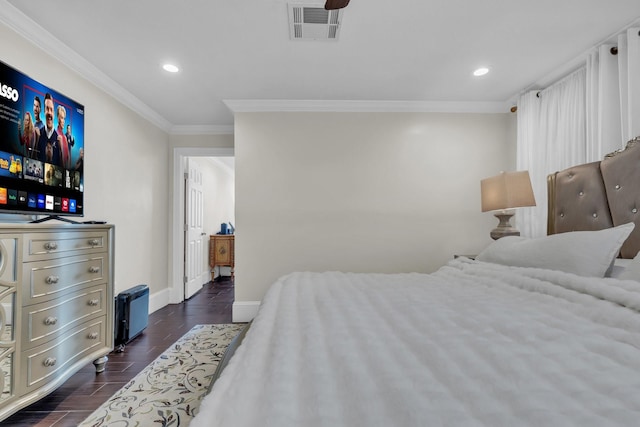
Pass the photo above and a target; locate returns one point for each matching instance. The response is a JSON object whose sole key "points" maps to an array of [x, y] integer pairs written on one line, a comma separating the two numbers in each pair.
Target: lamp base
{"points": [[504, 228]]}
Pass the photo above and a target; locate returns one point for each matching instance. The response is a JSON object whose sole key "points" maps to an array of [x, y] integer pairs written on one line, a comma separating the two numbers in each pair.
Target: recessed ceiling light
{"points": [[170, 68], [481, 71]]}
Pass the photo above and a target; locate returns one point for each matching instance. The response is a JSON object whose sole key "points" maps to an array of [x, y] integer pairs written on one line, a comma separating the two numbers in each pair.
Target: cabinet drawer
{"points": [[47, 320], [44, 363], [39, 246], [8, 263], [46, 279]]}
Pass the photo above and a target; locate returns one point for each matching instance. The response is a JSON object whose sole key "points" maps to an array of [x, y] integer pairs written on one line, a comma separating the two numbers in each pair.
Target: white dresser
{"points": [[56, 307]]}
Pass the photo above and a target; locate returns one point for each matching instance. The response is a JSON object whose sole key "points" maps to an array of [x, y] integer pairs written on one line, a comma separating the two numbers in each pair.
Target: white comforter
{"points": [[473, 344]]}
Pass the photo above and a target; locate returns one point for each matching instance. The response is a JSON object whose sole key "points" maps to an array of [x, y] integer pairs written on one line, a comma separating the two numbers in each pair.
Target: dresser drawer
{"points": [[39, 246], [46, 279], [47, 320], [44, 363], [8, 260]]}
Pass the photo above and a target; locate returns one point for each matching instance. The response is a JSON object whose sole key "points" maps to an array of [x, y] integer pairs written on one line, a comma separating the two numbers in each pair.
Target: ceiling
{"points": [[413, 51]]}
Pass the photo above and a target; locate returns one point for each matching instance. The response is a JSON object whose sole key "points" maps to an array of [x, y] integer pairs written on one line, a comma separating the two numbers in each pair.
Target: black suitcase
{"points": [[132, 314]]}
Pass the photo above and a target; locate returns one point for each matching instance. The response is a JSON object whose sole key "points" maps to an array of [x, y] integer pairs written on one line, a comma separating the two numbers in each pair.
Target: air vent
{"points": [[313, 22]]}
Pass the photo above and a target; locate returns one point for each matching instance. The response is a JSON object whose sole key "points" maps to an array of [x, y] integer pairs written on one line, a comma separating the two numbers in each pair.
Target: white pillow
{"points": [[585, 253], [619, 265], [632, 270]]}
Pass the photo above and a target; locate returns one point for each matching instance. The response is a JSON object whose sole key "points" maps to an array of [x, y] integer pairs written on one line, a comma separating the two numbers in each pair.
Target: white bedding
{"points": [[473, 344]]}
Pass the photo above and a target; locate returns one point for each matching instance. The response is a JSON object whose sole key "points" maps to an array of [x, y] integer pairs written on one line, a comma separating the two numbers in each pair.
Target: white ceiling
{"points": [[395, 50]]}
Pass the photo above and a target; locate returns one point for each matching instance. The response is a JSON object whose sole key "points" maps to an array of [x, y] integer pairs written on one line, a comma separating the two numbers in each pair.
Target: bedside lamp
{"points": [[502, 193]]}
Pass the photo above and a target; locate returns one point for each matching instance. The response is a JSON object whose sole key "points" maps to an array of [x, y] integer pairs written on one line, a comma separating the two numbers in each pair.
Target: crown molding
{"points": [[201, 130], [340, 106], [41, 38]]}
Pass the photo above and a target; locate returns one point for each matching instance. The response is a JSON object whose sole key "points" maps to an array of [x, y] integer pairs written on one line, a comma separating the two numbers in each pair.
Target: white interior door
{"points": [[196, 271]]}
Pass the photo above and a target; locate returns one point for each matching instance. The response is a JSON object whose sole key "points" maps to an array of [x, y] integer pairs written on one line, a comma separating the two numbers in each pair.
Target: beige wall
{"points": [[126, 167], [203, 141], [363, 192]]}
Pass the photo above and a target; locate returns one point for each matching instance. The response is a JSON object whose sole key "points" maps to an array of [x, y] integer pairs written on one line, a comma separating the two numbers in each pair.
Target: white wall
{"points": [[362, 192], [126, 168], [219, 199]]}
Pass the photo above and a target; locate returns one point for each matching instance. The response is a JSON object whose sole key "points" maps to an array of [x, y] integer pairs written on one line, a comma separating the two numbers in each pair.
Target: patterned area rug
{"points": [[169, 390]]}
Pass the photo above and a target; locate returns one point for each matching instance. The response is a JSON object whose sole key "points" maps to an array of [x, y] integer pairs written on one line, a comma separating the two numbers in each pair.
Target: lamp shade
{"points": [[506, 191]]}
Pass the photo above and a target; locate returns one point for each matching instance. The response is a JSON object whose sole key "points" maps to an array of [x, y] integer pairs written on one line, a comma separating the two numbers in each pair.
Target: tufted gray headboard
{"points": [[598, 195]]}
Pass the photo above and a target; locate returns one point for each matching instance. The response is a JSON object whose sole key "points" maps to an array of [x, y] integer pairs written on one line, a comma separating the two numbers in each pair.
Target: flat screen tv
{"points": [[41, 148]]}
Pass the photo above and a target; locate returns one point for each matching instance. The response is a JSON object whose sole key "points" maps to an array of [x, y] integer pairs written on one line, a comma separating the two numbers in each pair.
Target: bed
{"points": [[531, 332]]}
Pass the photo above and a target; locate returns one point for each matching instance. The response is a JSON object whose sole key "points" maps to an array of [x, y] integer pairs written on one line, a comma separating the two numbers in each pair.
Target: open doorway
{"points": [[219, 213], [223, 157]]}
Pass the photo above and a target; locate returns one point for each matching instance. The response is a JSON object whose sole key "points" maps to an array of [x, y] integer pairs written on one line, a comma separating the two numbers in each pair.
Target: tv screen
{"points": [[41, 148]]}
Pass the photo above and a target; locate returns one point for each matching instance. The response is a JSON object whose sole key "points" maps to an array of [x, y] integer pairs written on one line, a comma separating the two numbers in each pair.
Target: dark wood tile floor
{"points": [[81, 394]]}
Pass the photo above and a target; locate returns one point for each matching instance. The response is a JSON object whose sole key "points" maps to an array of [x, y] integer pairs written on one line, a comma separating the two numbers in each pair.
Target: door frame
{"points": [[176, 230]]}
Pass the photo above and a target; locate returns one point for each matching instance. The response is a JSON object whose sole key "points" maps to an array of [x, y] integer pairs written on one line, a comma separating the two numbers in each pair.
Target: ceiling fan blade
{"points": [[335, 4]]}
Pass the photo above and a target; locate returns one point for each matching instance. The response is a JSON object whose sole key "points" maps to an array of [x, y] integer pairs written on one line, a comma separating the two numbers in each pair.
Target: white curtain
{"points": [[631, 86], [526, 219], [613, 95], [592, 112], [551, 137], [604, 131]]}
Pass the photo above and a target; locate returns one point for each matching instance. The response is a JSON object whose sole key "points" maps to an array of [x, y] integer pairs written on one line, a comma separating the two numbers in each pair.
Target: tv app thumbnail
{"points": [[12, 196], [53, 175], [10, 165], [32, 200], [33, 170]]}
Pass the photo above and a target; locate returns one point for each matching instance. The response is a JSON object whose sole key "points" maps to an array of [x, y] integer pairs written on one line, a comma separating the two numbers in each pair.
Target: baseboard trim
{"points": [[157, 300], [244, 311]]}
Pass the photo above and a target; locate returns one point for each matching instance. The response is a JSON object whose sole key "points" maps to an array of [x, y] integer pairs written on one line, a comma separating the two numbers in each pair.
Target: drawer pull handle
{"points": [[94, 302], [49, 362], [50, 280], [94, 242], [50, 320], [51, 246], [93, 336], [94, 269]]}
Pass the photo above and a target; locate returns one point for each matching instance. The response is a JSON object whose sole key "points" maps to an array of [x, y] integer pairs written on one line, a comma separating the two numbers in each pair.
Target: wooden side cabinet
{"points": [[221, 252]]}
